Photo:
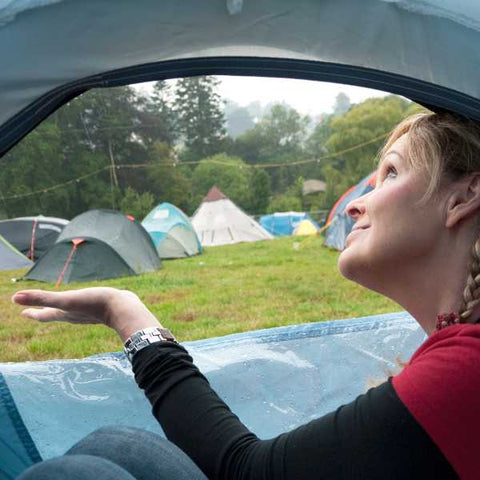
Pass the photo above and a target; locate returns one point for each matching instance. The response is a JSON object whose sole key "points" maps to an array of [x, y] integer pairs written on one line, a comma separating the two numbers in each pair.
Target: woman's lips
{"points": [[355, 231]]}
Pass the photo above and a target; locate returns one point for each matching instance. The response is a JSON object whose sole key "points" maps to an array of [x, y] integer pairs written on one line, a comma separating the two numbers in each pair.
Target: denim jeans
{"points": [[118, 453]]}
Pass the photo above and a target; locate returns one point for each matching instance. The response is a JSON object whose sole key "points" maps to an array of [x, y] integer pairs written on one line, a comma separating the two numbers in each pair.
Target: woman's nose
{"points": [[355, 209]]}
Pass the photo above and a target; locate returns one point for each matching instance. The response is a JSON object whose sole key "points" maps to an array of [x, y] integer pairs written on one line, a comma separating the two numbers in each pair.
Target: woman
{"points": [[412, 241]]}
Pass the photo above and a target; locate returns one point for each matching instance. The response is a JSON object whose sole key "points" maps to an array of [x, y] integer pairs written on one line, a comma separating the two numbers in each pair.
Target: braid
{"points": [[471, 293]]}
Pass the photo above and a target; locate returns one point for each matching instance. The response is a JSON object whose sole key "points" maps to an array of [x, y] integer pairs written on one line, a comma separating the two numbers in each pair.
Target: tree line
{"points": [[115, 148]]}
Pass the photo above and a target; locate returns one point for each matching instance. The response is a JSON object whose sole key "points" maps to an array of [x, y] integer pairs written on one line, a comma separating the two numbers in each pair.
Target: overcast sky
{"points": [[306, 96]]}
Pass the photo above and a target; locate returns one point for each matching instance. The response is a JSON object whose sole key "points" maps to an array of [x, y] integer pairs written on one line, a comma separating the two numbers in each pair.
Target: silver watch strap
{"points": [[144, 338]]}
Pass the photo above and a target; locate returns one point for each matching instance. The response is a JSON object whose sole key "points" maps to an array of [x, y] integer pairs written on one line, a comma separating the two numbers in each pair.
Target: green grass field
{"points": [[226, 290]]}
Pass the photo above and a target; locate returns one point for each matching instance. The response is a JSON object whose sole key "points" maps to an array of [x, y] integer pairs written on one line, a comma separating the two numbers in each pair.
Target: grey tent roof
{"points": [[127, 237], [53, 50]]}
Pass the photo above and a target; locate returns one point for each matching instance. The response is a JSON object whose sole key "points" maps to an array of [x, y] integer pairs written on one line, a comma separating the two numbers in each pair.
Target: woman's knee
{"points": [[142, 453], [76, 467]]}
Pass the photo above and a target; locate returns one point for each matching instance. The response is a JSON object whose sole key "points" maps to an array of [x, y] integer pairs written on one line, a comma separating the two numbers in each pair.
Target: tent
{"points": [[54, 50], [339, 223], [45, 407], [284, 223], [305, 228], [95, 245], [32, 235], [10, 257], [171, 232], [218, 221]]}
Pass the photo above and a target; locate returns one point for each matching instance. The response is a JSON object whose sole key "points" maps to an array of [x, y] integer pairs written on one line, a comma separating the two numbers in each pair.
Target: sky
{"points": [[306, 96]]}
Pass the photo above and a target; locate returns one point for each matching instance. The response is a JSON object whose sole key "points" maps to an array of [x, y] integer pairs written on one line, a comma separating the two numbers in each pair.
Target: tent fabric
{"points": [[221, 222], [32, 235], [274, 379], [171, 232], [55, 49], [305, 228], [284, 223], [95, 245], [339, 223], [11, 258]]}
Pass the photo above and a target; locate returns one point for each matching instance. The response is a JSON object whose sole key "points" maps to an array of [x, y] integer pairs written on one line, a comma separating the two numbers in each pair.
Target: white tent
{"points": [[218, 221]]}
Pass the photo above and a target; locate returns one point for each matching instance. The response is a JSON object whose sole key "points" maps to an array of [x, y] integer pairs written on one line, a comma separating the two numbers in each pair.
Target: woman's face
{"points": [[393, 233]]}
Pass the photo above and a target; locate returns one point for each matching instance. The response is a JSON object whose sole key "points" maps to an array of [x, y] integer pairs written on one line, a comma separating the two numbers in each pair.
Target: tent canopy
{"points": [[53, 50], [171, 232], [339, 223], [218, 221]]}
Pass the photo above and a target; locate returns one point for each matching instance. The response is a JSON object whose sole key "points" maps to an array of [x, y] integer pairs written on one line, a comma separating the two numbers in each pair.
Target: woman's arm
{"points": [[374, 437]]}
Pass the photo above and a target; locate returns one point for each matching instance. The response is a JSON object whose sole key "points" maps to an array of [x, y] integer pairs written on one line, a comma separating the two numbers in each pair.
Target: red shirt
{"points": [[441, 389]]}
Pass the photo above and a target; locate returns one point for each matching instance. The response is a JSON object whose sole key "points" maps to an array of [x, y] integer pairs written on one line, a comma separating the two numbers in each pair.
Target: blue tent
{"points": [[171, 232], [284, 223], [45, 407], [338, 222]]}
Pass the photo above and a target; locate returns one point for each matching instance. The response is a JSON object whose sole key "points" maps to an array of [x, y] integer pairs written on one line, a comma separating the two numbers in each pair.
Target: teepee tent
{"points": [[33, 236], [10, 257], [95, 245], [218, 221], [340, 224], [171, 232]]}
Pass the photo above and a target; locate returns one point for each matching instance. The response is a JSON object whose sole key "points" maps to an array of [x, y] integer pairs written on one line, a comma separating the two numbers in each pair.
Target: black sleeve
{"points": [[374, 437]]}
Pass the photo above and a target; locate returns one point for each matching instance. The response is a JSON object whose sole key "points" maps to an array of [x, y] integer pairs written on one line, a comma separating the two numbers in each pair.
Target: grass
{"points": [[226, 290]]}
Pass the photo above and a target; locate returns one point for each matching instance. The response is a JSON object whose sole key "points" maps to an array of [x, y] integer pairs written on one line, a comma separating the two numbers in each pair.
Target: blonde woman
{"points": [[412, 241]]}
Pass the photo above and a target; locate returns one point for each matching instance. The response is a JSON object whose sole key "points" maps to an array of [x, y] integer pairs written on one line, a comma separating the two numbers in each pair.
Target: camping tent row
{"points": [[339, 223], [289, 223]]}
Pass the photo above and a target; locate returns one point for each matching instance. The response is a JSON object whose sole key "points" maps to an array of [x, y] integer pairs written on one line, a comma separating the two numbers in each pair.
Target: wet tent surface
{"points": [[274, 380]]}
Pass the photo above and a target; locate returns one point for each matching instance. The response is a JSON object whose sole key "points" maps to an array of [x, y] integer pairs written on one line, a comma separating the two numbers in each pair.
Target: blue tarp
{"points": [[284, 223], [274, 380]]}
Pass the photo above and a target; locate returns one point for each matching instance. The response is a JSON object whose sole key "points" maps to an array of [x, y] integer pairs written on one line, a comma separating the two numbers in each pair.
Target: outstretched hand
{"points": [[121, 310]]}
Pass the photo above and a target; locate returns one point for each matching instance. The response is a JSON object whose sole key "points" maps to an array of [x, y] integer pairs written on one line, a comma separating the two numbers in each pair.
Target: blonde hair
{"points": [[446, 147]]}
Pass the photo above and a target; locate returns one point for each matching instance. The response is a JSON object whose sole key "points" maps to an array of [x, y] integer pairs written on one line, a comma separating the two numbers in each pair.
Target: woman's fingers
{"points": [[44, 314], [43, 298]]}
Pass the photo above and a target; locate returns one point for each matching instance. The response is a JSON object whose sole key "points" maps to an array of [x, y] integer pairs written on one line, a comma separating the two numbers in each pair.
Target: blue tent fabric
{"points": [[171, 232], [340, 223], [284, 223], [17, 449], [274, 379]]}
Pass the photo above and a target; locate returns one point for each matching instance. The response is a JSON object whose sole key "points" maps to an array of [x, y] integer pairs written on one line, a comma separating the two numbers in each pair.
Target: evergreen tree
{"points": [[260, 189], [200, 117]]}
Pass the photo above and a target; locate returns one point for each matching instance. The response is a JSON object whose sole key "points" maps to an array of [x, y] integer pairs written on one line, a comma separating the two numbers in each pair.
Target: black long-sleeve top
{"points": [[373, 437]]}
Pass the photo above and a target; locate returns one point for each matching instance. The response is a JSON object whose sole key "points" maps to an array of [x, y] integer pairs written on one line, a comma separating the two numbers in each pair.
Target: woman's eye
{"points": [[390, 173]]}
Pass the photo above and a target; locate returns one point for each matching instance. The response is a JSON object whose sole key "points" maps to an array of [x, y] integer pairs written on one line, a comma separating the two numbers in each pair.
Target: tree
{"points": [[136, 204], [342, 104], [229, 174], [200, 117], [261, 191], [238, 118]]}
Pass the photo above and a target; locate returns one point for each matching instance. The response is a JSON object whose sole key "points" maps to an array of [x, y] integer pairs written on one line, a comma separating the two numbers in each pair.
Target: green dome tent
{"points": [[171, 232], [95, 245], [10, 257]]}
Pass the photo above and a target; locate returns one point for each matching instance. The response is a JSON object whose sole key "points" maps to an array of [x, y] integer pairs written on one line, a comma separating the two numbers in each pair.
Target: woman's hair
{"points": [[446, 146]]}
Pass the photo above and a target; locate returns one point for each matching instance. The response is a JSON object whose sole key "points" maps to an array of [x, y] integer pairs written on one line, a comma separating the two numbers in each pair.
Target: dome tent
{"points": [[305, 228], [33, 236], [284, 223], [171, 231], [95, 245], [218, 221], [10, 257], [339, 223]]}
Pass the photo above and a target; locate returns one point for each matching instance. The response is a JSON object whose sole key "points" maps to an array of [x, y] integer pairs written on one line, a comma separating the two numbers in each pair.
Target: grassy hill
{"points": [[226, 290]]}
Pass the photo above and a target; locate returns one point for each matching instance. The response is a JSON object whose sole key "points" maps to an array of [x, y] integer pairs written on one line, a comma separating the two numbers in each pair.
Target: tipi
{"points": [[218, 221]]}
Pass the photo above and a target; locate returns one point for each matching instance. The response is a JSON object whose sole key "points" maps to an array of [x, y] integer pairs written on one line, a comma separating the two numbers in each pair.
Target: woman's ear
{"points": [[464, 200]]}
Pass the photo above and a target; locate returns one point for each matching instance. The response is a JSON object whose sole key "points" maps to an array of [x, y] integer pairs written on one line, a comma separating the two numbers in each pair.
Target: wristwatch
{"points": [[144, 338]]}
